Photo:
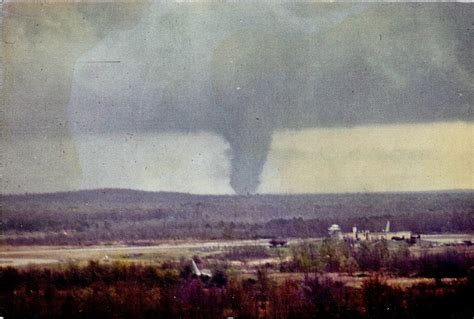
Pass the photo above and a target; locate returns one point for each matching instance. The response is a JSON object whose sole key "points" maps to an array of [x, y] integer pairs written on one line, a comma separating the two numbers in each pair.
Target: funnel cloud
{"points": [[245, 71]]}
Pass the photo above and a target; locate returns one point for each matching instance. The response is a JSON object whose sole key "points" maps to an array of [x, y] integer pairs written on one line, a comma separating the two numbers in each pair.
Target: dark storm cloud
{"points": [[246, 70]]}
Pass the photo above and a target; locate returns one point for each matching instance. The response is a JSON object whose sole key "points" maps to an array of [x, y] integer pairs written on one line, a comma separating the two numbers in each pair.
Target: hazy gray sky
{"points": [[223, 98]]}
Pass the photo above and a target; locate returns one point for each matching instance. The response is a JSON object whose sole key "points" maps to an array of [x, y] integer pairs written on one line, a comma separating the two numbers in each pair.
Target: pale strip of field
{"points": [[28, 250], [17, 262], [355, 281], [169, 249], [19, 256], [448, 238]]}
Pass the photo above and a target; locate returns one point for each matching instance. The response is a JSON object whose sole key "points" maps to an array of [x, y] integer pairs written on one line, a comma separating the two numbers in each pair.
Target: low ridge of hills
{"points": [[249, 208]]}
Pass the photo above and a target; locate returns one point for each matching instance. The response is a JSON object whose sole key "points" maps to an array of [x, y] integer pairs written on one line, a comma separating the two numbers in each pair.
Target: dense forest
{"points": [[94, 216], [171, 291]]}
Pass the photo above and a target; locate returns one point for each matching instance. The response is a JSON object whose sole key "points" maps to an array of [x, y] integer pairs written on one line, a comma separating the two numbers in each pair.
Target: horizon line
{"points": [[453, 190]]}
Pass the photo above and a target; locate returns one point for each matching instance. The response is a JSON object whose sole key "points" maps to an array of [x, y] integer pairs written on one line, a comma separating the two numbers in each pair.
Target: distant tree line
{"points": [[23, 228]]}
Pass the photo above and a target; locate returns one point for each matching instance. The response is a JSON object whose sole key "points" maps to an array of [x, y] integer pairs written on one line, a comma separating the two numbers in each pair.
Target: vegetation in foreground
{"points": [[386, 256], [170, 290], [132, 291]]}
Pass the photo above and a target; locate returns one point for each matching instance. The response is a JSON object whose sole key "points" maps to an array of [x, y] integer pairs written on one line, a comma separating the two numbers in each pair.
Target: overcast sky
{"points": [[237, 98]]}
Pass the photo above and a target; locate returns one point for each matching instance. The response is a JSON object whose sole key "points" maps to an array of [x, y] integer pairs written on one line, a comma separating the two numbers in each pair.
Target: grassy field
{"points": [[157, 252], [244, 257]]}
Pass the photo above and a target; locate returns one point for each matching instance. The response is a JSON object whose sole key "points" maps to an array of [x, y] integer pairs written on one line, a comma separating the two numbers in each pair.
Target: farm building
{"points": [[335, 232]]}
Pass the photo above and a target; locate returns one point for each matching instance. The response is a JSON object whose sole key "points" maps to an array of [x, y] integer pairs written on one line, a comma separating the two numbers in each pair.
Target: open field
{"points": [[21, 255], [358, 280], [448, 238], [159, 251]]}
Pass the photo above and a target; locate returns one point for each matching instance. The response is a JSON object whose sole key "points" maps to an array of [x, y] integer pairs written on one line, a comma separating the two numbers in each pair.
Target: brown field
{"points": [[174, 249], [159, 251], [215, 252]]}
